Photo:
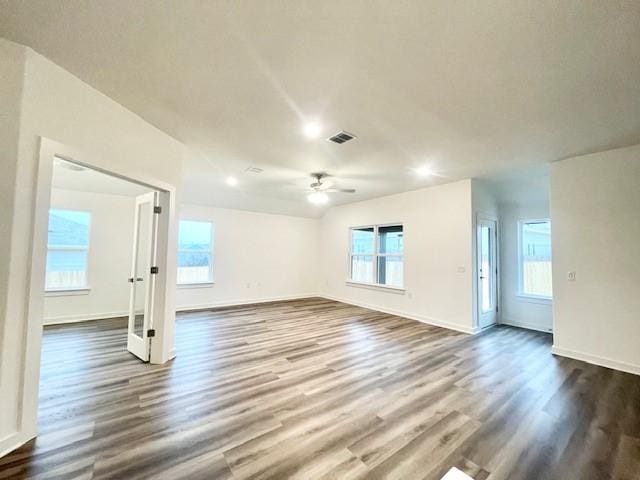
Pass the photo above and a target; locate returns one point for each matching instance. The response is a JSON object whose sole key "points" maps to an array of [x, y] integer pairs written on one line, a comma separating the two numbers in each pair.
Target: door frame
{"points": [[477, 307], [162, 349]]}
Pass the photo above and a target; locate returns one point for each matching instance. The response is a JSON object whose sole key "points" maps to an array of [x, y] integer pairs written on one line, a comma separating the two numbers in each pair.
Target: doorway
{"points": [[487, 271], [101, 258]]}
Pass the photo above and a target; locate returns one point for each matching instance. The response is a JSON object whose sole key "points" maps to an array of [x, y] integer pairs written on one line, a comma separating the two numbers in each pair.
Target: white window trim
{"points": [[196, 284], [64, 292], [211, 280], [80, 289], [376, 286], [522, 295], [376, 253]]}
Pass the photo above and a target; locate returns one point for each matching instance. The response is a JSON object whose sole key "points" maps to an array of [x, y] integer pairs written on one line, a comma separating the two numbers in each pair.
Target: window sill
{"points": [[63, 292], [533, 299], [376, 286], [196, 285]]}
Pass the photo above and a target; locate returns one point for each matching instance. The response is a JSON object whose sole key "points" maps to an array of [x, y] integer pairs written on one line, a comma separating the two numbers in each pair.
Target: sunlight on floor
{"points": [[455, 474]]}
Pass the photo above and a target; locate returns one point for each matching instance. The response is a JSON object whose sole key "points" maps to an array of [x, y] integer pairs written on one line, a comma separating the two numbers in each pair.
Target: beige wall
{"points": [[595, 214], [438, 254]]}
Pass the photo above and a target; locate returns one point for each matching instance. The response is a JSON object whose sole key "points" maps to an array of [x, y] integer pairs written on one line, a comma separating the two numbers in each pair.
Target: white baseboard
{"points": [[83, 317], [246, 301], [12, 441], [595, 360], [528, 326], [183, 308], [411, 316]]}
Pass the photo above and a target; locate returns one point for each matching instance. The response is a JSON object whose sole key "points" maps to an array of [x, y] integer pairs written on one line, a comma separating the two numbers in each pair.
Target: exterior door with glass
{"points": [[487, 272], [142, 279]]}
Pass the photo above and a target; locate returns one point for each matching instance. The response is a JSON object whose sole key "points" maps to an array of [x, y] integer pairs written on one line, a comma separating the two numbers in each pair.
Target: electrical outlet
{"points": [[571, 276]]}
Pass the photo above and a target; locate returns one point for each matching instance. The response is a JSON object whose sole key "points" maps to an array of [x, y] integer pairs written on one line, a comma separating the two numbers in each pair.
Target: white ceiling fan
{"points": [[319, 189]]}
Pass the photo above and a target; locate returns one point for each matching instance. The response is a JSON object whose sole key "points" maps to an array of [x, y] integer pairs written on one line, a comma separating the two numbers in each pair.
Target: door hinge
{"points": [[154, 270], [157, 209], [151, 333]]}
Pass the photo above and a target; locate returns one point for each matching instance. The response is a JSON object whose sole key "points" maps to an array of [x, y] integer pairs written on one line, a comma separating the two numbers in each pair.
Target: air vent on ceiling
{"points": [[341, 137], [253, 170]]}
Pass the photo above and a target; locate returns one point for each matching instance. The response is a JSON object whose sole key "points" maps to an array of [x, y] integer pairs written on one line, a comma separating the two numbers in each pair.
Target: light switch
{"points": [[461, 269], [571, 276]]}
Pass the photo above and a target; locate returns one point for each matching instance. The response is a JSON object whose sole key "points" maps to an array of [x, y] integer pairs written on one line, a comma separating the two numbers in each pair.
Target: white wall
{"points": [[11, 323], [55, 104], [595, 214], [516, 310], [257, 257], [437, 238], [109, 264]]}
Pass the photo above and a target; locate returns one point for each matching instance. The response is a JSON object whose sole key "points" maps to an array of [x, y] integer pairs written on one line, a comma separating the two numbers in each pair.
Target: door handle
{"points": [[138, 279]]}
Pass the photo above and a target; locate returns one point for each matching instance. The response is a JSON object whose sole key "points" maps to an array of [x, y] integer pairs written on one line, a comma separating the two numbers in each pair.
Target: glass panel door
{"points": [[487, 272], [141, 279]]}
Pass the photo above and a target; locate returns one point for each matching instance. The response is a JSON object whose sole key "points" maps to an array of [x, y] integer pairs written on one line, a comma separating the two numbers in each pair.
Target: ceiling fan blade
{"points": [[339, 190]]}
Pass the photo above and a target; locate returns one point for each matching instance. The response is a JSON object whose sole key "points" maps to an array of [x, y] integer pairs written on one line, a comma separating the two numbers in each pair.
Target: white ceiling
{"points": [[471, 89], [70, 177]]}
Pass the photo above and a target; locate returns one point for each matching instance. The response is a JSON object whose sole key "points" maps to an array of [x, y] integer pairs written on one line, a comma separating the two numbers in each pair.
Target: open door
{"points": [[487, 270], [142, 278]]}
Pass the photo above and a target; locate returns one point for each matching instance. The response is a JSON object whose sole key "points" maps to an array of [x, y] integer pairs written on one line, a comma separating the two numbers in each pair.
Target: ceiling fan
{"points": [[319, 189]]}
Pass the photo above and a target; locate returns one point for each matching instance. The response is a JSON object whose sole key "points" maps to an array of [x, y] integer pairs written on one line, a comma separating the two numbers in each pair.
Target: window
{"points": [[195, 252], [67, 250], [535, 258], [377, 255]]}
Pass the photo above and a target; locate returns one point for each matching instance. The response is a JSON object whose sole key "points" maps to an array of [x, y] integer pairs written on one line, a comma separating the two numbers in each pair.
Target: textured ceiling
{"points": [[468, 88]]}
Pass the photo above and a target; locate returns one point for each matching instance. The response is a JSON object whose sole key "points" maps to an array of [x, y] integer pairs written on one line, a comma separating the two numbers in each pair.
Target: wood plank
{"points": [[318, 389]]}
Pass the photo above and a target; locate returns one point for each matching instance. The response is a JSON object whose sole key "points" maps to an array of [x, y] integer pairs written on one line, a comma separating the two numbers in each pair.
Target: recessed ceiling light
{"points": [[232, 181], [312, 130], [424, 171], [318, 198]]}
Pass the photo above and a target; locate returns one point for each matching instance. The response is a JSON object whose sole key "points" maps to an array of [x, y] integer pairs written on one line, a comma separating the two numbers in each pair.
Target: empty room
{"points": [[320, 239]]}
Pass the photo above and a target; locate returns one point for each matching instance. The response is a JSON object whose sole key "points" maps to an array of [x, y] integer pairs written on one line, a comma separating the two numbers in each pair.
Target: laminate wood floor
{"points": [[318, 389]]}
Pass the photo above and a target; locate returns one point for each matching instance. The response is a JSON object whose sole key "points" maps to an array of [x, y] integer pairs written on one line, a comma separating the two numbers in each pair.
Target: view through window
{"points": [[195, 252], [377, 255], [67, 249], [535, 258]]}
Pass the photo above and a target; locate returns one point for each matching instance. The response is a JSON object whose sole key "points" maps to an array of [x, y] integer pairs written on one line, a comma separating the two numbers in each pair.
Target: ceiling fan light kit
{"points": [[318, 198], [318, 195]]}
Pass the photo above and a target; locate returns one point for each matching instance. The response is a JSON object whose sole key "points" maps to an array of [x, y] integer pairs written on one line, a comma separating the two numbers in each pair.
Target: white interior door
{"points": [[142, 279], [487, 272]]}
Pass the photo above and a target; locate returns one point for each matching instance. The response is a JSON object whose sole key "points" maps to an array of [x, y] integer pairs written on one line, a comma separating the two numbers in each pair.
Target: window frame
{"points": [[71, 290], [376, 255], [211, 280], [521, 293]]}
